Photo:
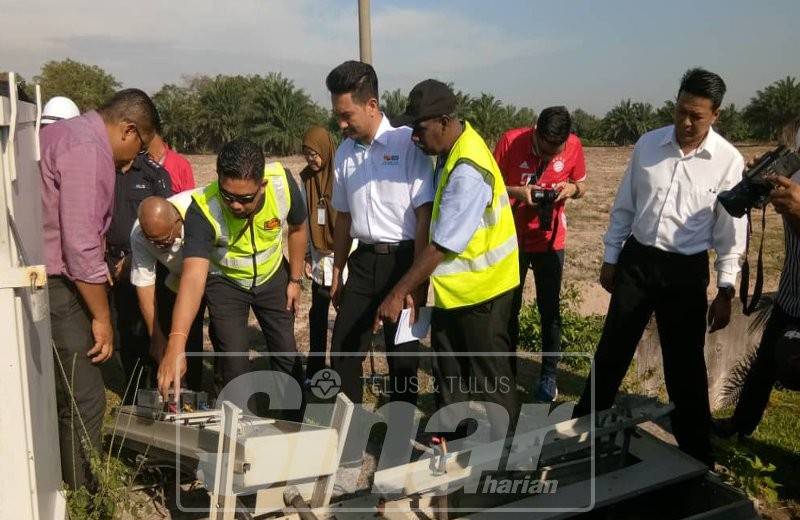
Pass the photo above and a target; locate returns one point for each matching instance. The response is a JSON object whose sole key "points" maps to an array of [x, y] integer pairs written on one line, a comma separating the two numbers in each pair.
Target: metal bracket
{"points": [[31, 277]]}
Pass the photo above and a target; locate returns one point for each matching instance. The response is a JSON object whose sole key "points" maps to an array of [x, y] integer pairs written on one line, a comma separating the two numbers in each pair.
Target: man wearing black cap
{"points": [[472, 261]]}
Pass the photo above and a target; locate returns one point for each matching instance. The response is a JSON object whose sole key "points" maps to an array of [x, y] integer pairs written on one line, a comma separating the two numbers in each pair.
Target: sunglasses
{"points": [[241, 199]]}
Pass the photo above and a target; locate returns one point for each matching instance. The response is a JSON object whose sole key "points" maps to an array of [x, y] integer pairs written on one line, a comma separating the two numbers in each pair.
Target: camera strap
{"points": [[744, 286]]}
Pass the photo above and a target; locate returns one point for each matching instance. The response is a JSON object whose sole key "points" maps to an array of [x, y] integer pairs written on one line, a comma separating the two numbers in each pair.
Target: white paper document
{"points": [[407, 332]]}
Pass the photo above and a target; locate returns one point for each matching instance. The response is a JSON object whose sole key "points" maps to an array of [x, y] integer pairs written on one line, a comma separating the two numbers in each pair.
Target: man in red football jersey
{"points": [[542, 167]]}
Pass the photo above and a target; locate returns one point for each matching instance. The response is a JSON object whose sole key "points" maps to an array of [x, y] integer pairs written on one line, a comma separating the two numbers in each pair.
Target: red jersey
{"points": [[179, 169], [514, 154]]}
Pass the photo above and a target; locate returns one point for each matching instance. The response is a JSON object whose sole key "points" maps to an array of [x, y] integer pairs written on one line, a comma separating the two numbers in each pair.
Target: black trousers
{"points": [[673, 286], [318, 327], [71, 326], [371, 277], [229, 309], [461, 376], [547, 268], [131, 339], [194, 343], [762, 375]]}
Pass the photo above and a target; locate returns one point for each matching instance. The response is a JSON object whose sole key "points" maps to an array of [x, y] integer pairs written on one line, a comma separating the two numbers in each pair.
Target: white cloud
{"points": [[439, 40], [153, 42]]}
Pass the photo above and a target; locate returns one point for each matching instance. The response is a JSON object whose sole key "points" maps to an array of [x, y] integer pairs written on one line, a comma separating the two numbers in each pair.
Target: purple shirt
{"points": [[78, 174]]}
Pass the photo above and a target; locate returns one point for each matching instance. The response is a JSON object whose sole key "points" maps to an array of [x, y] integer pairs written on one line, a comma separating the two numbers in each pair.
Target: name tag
{"points": [[321, 214]]}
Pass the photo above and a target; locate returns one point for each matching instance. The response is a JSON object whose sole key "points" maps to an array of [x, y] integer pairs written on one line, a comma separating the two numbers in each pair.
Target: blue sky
{"points": [[587, 54]]}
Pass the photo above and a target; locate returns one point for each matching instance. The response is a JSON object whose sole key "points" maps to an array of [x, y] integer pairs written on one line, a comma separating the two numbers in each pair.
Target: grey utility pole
{"points": [[364, 32]]}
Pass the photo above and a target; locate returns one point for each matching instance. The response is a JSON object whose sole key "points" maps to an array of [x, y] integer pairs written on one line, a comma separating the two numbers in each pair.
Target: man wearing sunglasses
{"points": [[234, 253], [78, 159], [545, 158]]}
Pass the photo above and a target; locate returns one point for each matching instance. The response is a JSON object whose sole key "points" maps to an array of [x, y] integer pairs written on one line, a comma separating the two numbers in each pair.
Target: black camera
{"points": [[544, 200], [753, 190]]}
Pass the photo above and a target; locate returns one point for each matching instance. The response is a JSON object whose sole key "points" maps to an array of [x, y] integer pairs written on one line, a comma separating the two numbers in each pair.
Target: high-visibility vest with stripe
{"points": [[248, 251], [181, 201], [489, 266]]}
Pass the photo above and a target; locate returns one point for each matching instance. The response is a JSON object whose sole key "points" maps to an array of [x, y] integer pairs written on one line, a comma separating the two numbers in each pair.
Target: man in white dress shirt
{"points": [[383, 192], [664, 220]]}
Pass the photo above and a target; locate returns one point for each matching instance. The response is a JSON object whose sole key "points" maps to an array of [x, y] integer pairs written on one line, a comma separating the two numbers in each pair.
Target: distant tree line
{"points": [[204, 112]]}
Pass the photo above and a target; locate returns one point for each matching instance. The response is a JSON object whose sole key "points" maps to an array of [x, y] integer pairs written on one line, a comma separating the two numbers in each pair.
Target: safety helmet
{"points": [[59, 108]]}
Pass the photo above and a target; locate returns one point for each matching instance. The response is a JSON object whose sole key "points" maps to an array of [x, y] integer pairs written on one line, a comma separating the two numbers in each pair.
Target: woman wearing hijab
{"points": [[317, 179]]}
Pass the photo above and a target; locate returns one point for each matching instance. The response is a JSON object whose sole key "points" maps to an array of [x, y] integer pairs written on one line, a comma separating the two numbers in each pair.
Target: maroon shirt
{"points": [[77, 168]]}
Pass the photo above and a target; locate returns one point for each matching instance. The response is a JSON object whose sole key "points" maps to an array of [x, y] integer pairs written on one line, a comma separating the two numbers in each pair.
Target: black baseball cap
{"points": [[428, 99]]}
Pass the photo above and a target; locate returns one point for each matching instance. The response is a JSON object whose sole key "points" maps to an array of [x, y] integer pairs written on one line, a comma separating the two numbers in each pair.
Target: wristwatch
{"points": [[298, 281], [728, 292]]}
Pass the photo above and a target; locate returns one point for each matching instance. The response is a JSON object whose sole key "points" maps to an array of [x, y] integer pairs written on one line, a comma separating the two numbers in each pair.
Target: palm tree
{"points": [[281, 114], [518, 117], [178, 108], [773, 107], [224, 103], [463, 103], [393, 104], [731, 124], [628, 121], [487, 115], [665, 115], [586, 126]]}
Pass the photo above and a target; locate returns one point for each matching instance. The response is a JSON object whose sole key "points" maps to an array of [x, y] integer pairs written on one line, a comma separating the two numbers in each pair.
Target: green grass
{"points": [[775, 442]]}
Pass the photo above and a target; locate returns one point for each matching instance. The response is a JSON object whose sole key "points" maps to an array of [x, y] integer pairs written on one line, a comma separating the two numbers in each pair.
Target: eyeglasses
{"points": [[310, 154], [164, 243], [143, 148], [241, 199]]}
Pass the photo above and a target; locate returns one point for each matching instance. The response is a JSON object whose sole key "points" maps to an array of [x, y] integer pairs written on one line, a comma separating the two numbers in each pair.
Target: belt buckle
{"points": [[381, 249]]}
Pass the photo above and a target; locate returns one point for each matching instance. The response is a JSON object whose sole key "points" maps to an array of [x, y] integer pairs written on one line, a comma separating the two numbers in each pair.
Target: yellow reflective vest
{"points": [[489, 266], [248, 251]]}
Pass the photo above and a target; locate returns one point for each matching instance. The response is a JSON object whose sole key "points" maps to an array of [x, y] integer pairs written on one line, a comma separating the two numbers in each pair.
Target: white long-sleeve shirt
{"points": [[668, 200]]}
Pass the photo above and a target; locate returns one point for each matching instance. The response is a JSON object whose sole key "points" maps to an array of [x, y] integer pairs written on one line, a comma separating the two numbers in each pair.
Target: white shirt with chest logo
{"points": [[381, 184], [668, 200]]}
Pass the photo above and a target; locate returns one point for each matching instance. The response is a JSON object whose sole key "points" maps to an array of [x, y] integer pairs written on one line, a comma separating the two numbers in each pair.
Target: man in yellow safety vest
{"points": [[472, 262], [233, 251]]}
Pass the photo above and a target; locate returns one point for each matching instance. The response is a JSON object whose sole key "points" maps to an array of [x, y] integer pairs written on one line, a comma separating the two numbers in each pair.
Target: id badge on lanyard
{"points": [[321, 213]]}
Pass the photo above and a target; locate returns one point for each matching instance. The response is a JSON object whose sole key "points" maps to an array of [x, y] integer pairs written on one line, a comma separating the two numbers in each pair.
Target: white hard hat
{"points": [[59, 108]]}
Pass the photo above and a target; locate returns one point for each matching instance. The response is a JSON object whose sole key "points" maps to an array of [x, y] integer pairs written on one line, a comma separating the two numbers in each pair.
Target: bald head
{"points": [[157, 218]]}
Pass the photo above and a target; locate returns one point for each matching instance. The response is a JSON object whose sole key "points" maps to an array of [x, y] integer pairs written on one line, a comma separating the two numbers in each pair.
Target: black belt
{"points": [[386, 248]]}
